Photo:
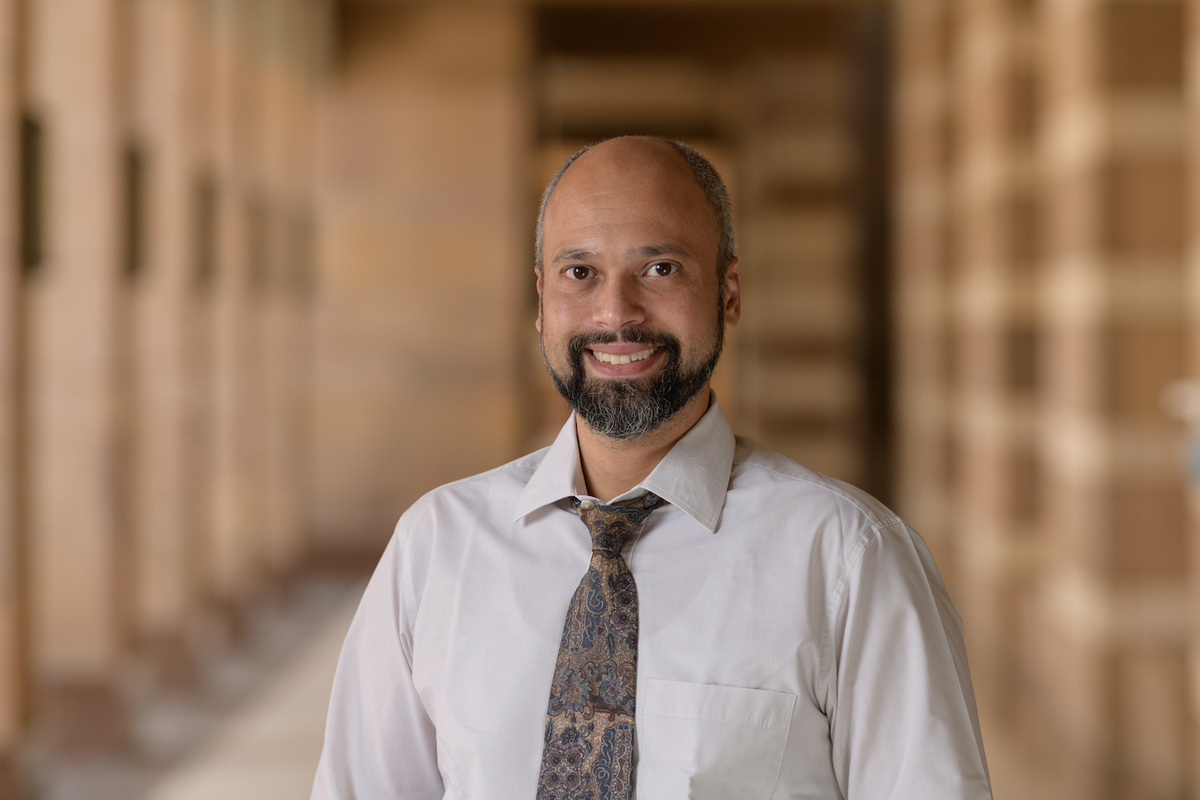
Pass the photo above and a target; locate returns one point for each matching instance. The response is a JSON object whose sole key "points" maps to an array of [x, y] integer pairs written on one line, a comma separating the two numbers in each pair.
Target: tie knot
{"points": [[611, 526]]}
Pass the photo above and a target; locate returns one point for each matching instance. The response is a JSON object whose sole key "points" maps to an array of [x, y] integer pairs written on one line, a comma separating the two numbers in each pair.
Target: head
{"points": [[637, 282], [707, 178]]}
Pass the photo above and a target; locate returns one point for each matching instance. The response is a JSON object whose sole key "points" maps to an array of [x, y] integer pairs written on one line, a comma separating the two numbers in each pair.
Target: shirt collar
{"points": [[693, 475]]}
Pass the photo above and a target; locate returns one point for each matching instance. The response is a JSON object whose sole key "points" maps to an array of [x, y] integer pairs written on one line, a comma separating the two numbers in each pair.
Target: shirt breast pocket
{"points": [[705, 742]]}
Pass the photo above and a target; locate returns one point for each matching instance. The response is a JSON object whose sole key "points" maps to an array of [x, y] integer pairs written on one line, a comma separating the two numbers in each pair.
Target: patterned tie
{"points": [[589, 725]]}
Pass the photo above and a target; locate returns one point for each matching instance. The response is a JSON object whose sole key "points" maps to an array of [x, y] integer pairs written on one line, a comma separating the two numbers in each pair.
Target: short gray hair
{"points": [[706, 176]]}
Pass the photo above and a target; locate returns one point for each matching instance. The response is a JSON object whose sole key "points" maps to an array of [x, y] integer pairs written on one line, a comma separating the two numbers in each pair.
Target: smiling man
{"points": [[650, 607]]}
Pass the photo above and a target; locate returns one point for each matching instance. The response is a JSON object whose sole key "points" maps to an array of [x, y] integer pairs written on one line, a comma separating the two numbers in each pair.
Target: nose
{"points": [[618, 304]]}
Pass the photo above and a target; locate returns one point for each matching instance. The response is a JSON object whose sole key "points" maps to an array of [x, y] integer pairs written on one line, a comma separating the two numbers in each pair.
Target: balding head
{"points": [[648, 157]]}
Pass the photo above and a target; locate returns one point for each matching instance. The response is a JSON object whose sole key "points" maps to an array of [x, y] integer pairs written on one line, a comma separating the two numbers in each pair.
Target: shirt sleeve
{"points": [[903, 723], [379, 740]]}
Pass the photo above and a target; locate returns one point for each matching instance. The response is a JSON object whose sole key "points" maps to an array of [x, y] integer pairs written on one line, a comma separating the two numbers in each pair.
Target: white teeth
{"points": [[609, 358]]}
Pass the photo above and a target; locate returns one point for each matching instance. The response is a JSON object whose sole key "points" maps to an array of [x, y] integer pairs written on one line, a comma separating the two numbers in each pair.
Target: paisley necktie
{"points": [[588, 751]]}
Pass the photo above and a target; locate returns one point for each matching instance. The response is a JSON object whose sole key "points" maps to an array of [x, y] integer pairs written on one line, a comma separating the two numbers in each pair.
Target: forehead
{"points": [[634, 190]]}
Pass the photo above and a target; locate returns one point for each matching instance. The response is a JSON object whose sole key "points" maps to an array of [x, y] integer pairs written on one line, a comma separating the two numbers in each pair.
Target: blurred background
{"points": [[266, 277]]}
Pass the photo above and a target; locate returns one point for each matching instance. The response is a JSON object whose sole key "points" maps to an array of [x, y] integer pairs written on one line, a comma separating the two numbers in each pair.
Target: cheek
{"points": [[694, 313], [555, 327], [560, 314]]}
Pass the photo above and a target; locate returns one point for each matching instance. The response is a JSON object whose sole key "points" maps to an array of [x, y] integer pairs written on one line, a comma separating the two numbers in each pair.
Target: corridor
{"points": [[266, 279]]}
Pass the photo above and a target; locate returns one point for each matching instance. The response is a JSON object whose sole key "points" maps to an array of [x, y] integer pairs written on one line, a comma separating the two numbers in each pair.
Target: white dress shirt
{"points": [[795, 641]]}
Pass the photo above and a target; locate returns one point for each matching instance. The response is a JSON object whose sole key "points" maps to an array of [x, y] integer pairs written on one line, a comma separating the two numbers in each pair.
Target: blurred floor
{"points": [[254, 730], [269, 748]]}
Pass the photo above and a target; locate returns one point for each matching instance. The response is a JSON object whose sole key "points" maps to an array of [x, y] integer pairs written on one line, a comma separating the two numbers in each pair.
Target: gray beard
{"points": [[626, 409]]}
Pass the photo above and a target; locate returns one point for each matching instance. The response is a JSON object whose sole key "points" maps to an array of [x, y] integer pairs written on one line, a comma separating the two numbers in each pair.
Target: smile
{"points": [[609, 358]]}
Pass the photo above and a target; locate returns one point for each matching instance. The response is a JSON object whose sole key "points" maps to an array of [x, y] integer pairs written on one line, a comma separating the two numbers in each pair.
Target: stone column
{"points": [[996, 316], [926, 462], [1115, 610], [801, 378], [284, 173], [75, 313], [1192, 49], [167, 317], [234, 541], [14, 600]]}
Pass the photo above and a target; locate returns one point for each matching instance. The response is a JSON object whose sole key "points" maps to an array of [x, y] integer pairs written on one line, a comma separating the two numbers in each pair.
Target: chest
{"points": [[728, 673]]}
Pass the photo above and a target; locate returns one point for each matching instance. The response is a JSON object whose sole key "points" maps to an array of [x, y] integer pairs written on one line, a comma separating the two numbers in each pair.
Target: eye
{"points": [[661, 269], [579, 273]]}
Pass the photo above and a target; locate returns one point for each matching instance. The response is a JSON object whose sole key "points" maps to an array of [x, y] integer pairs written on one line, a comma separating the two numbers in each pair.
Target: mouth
{"points": [[622, 358]]}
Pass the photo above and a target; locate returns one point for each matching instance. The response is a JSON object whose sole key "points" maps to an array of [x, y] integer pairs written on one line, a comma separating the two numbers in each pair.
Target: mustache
{"points": [[582, 341]]}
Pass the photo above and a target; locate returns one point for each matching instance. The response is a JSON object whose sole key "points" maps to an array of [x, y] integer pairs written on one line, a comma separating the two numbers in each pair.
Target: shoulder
{"points": [[782, 482], [441, 525], [827, 526], [492, 493]]}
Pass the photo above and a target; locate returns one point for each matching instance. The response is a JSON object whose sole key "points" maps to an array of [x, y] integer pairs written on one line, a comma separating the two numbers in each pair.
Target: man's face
{"points": [[631, 311]]}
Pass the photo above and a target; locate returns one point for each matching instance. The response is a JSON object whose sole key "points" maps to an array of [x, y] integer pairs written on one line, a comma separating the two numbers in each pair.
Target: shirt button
{"points": [[587, 505]]}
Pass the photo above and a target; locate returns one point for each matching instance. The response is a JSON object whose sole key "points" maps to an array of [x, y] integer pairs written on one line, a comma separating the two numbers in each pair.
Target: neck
{"points": [[612, 467]]}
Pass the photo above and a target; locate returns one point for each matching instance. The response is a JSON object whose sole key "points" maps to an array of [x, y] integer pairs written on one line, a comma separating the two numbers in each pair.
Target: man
{"points": [[767, 633]]}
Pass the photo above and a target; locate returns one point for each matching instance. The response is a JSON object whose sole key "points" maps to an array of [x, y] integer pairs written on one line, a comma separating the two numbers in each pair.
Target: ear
{"points": [[537, 270], [733, 294]]}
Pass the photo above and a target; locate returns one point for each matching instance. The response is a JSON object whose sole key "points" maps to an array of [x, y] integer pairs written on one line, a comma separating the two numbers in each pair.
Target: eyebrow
{"points": [[645, 251], [573, 254], [651, 250]]}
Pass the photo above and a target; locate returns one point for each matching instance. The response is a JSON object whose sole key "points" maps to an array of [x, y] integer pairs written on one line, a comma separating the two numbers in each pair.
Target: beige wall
{"points": [[423, 260]]}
